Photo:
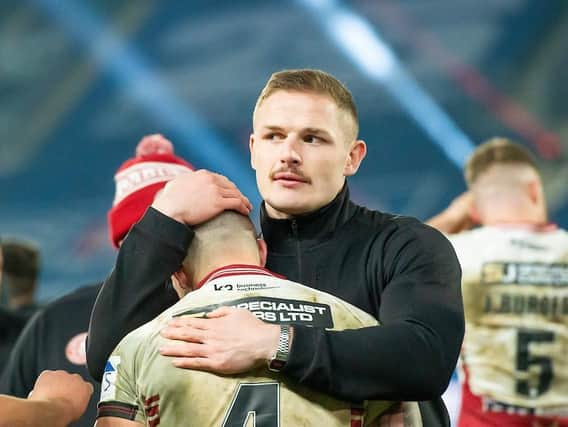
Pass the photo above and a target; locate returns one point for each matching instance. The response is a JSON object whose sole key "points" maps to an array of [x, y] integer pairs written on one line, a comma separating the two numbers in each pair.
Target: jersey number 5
{"points": [[525, 361], [255, 405]]}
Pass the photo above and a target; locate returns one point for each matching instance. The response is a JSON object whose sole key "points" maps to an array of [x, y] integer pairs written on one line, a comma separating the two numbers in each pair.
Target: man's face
{"points": [[301, 150]]}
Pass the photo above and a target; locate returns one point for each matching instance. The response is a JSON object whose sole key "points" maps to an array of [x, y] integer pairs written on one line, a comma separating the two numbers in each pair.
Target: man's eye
{"points": [[274, 136], [311, 139]]}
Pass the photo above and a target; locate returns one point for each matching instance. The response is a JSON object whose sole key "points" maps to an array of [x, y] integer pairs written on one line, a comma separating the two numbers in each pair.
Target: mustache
{"points": [[293, 171]]}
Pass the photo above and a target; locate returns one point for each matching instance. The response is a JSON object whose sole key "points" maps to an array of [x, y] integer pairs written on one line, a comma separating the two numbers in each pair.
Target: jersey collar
{"points": [[542, 228], [236, 270]]}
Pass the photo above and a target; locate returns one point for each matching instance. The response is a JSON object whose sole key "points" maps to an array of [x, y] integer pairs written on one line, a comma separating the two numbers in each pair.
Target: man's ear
{"points": [[251, 149], [182, 280], [262, 251], [474, 213], [357, 153], [534, 192]]}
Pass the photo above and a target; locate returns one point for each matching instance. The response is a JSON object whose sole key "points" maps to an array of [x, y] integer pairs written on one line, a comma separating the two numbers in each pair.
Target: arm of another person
{"points": [[33, 413], [57, 399], [457, 217]]}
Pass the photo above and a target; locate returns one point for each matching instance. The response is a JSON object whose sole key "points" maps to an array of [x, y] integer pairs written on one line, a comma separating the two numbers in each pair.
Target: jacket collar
{"points": [[282, 235]]}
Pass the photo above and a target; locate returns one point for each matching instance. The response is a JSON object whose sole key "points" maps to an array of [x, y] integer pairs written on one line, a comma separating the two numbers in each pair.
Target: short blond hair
{"points": [[314, 81], [496, 151]]}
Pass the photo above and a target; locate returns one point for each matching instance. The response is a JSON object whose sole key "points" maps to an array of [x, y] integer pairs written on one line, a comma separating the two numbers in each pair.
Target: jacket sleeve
{"points": [[138, 288], [412, 355]]}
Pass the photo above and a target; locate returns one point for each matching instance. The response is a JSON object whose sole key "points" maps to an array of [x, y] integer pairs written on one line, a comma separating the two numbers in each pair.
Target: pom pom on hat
{"points": [[138, 181], [154, 144]]}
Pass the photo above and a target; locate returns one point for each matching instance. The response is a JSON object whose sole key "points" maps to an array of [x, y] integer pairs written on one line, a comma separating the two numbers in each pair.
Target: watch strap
{"points": [[280, 357]]}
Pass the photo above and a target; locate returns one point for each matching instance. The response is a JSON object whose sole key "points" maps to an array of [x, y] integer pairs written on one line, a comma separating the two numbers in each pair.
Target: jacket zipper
{"points": [[298, 247]]}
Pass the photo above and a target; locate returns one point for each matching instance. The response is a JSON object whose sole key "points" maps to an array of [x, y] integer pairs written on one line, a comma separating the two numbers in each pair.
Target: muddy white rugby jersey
{"points": [[515, 290], [139, 384]]}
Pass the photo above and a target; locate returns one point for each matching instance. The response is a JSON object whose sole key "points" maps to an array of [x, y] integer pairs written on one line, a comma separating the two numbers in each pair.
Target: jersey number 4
{"points": [[526, 362], [255, 405]]}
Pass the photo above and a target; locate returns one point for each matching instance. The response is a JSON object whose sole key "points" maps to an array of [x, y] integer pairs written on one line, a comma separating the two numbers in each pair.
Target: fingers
{"points": [[212, 187], [246, 204], [189, 322], [199, 363], [234, 193], [208, 364], [220, 312], [230, 190], [186, 329], [183, 349], [222, 181], [228, 193], [186, 334], [234, 204]]}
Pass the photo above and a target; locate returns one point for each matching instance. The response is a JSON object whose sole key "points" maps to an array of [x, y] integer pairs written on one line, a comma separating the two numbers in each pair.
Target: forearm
{"points": [[446, 223], [136, 291], [457, 217], [395, 362], [32, 413]]}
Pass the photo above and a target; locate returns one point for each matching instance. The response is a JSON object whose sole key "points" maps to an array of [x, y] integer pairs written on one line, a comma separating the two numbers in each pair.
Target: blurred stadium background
{"points": [[82, 81]]}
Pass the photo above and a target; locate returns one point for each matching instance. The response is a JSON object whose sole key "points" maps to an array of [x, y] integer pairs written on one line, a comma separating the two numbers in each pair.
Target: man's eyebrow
{"points": [[317, 131], [272, 127]]}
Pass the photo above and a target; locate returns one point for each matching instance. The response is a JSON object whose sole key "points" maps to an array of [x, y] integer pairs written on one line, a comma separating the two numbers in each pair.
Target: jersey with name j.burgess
{"points": [[515, 290], [139, 384]]}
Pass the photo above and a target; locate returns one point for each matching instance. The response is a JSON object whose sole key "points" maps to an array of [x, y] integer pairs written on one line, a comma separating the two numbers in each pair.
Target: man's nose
{"points": [[290, 152]]}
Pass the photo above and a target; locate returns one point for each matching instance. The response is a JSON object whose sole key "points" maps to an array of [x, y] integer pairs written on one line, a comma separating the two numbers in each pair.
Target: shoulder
{"points": [[144, 337], [84, 294], [469, 237], [131, 348], [10, 322], [76, 305], [69, 312], [394, 230]]}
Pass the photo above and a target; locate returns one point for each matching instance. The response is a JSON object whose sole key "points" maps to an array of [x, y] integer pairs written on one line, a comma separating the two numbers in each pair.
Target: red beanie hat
{"points": [[138, 181]]}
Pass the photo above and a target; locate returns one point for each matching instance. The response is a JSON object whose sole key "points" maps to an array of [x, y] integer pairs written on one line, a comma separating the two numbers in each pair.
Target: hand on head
{"points": [[461, 211], [193, 198], [457, 217]]}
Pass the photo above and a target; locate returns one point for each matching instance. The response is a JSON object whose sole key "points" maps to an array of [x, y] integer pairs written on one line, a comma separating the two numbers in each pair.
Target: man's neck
{"points": [[277, 214], [527, 218], [206, 269]]}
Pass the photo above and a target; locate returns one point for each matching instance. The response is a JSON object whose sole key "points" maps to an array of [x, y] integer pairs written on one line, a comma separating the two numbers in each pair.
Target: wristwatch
{"points": [[280, 357]]}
